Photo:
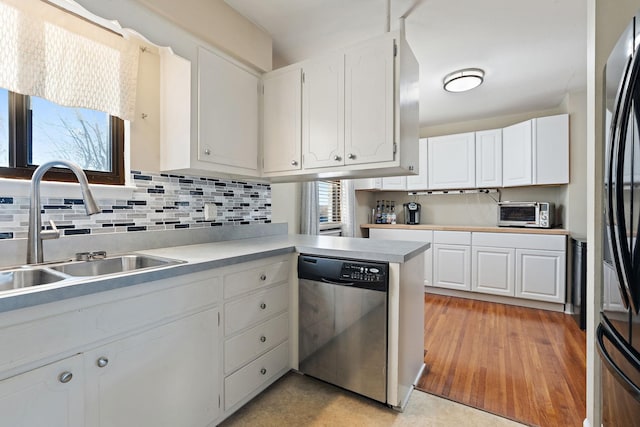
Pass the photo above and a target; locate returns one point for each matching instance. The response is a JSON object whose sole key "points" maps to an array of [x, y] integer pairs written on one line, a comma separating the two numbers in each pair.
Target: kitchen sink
{"points": [[27, 276], [112, 265]]}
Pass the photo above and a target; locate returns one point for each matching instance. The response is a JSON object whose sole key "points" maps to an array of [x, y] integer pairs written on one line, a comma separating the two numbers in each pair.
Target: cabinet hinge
{"points": [[218, 318], [303, 77], [395, 49], [395, 148], [219, 401]]}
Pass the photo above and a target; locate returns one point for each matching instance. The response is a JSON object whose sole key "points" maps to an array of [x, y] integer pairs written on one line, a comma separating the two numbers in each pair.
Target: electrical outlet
{"points": [[210, 211]]}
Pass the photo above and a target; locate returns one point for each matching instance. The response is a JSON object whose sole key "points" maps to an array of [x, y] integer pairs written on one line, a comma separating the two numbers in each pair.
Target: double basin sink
{"points": [[34, 275]]}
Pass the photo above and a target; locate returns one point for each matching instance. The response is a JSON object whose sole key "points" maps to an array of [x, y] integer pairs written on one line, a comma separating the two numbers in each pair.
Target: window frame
{"points": [[335, 200], [19, 126]]}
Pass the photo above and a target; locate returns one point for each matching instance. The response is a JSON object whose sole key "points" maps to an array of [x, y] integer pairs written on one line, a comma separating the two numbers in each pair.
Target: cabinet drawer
{"points": [[521, 241], [238, 385], [246, 346], [452, 237], [247, 280], [254, 308]]}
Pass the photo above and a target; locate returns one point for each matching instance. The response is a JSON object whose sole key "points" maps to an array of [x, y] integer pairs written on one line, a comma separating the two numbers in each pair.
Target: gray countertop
{"points": [[206, 256]]}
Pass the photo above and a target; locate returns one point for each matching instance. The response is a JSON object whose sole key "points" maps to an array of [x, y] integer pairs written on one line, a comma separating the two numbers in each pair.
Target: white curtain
{"points": [[49, 53], [309, 215], [348, 207]]}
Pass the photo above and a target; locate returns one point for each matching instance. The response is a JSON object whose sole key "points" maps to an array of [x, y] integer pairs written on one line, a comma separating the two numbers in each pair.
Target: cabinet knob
{"points": [[207, 151], [294, 163], [102, 362], [263, 305], [351, 156], [337, 158], [263, 277], [263, 339], [263, 371], [65, 377]]}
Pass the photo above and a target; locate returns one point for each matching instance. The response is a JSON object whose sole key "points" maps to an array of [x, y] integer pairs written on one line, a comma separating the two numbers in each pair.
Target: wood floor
{"points": [[525, 364]]}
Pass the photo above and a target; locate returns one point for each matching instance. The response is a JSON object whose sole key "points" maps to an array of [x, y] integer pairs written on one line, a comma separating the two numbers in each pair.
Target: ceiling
{"points": [[532, 52]]}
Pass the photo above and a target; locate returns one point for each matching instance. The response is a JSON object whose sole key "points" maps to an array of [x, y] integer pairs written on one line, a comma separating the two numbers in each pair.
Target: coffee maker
{"points": [[412, 213]]}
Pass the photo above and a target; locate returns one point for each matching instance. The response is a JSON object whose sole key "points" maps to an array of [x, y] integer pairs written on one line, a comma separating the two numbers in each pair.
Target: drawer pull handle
{"points": [[263, 277], [263, 305], [65, 377], [263, 339], [102, 362], [263, 371]]}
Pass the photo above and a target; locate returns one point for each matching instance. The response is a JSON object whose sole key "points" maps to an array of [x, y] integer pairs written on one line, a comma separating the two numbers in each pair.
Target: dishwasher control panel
{"points": [[347, 272], [361, 272]]}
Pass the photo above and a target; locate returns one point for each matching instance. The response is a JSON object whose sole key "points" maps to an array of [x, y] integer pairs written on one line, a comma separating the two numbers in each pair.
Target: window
{"points": [[42, 131], [329, 207]]}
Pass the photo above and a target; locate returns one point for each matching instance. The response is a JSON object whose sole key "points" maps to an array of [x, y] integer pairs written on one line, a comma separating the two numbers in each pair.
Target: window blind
{"points": [[330, 208], [55, 55]]}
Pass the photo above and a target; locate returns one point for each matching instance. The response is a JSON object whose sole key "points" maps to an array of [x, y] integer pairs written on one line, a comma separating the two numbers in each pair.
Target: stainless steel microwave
{"points": [[526, 214]]}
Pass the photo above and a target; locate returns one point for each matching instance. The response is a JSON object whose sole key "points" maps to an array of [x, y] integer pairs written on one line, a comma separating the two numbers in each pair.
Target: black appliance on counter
{"points": [[412, 213], [618, 334]]}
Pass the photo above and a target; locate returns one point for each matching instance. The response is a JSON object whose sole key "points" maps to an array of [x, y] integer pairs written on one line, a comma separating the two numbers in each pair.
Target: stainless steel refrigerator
{"points": [[618, 335]]}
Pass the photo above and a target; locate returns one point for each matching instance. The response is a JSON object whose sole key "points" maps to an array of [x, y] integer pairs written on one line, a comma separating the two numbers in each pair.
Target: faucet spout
{"points": [[34, 235]]}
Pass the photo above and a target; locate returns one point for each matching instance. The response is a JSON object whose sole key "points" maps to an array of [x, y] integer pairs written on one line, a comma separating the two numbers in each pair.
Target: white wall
{"points": [[216, 22], [285, 205]]}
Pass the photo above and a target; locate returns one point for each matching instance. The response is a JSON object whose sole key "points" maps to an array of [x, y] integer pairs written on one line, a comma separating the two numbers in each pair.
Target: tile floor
{"points": [[296, 400]]}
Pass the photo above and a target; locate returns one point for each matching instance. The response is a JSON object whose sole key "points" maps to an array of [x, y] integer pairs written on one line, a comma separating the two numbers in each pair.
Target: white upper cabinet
{"points": [[536, 152], [489, 158], [227, 115], [394, 183], [452, 162], [323, 112], [420, 181], [551, 145], [516, 155], [282, 121], [359, 113], [369, 102]]}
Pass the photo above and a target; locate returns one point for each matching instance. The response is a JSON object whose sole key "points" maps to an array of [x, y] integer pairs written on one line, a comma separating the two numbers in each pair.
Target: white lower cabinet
{"points": [[493, 270], [540, 275], [529, 266], [256, 325], [451, 266], [166, 376], [452, 260], [49, 396], [153, 354]]}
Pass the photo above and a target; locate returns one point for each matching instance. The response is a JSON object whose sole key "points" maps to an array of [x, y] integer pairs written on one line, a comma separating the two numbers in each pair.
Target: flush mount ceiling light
{"points": [[463, 80]]}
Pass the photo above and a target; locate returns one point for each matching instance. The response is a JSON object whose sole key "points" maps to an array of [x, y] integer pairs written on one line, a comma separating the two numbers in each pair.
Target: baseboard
{"points": [[542, 305]]}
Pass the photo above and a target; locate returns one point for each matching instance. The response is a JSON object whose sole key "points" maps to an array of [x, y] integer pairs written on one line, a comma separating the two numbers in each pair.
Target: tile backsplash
{"points": [[159, 202]]}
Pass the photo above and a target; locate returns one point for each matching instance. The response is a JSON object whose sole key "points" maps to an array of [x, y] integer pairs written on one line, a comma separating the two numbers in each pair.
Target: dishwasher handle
{"points": [[333, 282]]}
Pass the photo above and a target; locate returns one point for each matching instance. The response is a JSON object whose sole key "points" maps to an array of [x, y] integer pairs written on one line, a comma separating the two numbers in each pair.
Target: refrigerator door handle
{"points": [[623, 379]]}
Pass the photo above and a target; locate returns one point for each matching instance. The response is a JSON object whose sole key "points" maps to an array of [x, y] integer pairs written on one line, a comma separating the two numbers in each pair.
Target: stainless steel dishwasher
{"points": [[343, 323]]}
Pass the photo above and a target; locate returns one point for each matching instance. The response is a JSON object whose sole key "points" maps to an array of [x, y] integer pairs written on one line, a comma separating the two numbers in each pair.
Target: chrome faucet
{"points": [[35, 234]]}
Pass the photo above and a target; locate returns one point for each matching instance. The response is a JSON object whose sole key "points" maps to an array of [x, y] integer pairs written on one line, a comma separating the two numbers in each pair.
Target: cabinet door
{"points": [[551, 151], [611, 298], [167, 376], [420, 181], [489, 158], [517, 155], [323, 112], [39, 398], [227, 113], [452, 162], [369, 102], [282, 124], [452, 266], [394, 183], [540, 275], [493, 270], [410, 235]]}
